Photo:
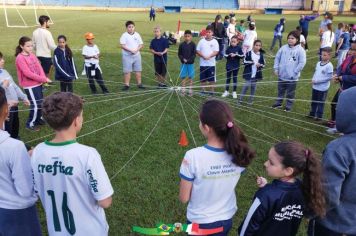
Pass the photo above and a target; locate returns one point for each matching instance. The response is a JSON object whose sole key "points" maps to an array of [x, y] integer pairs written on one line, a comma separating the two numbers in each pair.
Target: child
{"points": [[250, 36], [302, 40], [231, 29], [328, 19], [321, 83], [278, 32], [91, 56], [327, 39], [289, 62], [241, 27], [13, 94], [31, 77], [233, 55], [207, 49], [338, 32], [64, 64], [159, 48], [278, 207], [186, 54], [219, 34], [131, 44], [209, 174], [18, 214], [254, 63], [343, 44], [69, 177]]}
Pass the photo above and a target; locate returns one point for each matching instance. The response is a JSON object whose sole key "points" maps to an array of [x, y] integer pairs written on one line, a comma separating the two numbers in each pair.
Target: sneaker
{"points": [[140, 86], [225, 94], [40, 122], [310, 116], [125, 88], [276, 106], [32, 128], [318, 119], [164, 86], [106, 92], [234, 95], [286, 109], [331, 131], [190, 93]]}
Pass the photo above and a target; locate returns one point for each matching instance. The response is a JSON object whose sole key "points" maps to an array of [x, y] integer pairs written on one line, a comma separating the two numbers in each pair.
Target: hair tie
{"points": [[230, 124]]}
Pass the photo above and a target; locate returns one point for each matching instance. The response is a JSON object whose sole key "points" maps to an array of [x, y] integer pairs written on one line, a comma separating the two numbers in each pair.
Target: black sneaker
{"points": [[40, 122], [164, 86], [276, 106], [125, 88], [140, 86], [106, 92]]}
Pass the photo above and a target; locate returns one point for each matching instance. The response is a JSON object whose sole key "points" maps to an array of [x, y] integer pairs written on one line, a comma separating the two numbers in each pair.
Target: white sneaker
{"points": [[234, 95], [225, 94], [331, 131]]}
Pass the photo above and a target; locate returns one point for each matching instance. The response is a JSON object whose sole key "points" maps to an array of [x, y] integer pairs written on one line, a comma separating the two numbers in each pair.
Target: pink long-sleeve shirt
{"points": [[29, 71]]}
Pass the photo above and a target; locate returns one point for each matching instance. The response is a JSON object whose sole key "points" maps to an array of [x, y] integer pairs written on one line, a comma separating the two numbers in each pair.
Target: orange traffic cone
{"points": [[183, 141]]}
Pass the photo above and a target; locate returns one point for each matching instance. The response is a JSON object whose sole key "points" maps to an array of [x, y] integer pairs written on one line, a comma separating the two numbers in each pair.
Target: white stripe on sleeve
{"points": [[250, 213], [55, 58]]}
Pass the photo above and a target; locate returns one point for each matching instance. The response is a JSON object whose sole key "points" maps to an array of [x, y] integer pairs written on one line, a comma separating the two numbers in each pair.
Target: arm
{"points": [[191, 59], [59, 69], [105, 203], [23, 67], [312, 17], [254, 219], [21, 172], [277, 61], [348, 78], [301, 62], [185, 189], [339, 43], [123, 46], [50, 41], [180, 54]]}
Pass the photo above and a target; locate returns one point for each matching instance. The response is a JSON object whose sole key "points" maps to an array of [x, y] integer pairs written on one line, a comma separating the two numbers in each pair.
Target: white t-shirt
{"points": [[91, 51], [16, 184], [206, 48], [214, 179], [231, 30], [327, 40], [249, 37], [255, 58], [322, 76], [73, 176], [131, 41]]}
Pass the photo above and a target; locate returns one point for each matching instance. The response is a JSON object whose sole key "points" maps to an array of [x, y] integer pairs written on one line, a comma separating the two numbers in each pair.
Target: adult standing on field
{"points": [[219, 34], [304, 25], [131, 44], [152, 14], [43, 43]]}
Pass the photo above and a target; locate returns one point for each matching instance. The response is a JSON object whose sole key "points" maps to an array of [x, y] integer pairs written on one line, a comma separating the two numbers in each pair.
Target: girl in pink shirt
{"points": [[31, 77]]}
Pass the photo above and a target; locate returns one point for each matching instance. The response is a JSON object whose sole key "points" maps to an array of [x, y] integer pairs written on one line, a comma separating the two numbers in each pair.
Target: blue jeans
{"points": [[275, 38], [316, 229], [318, 102], [249, 84], [227, 224], [286, 88]]}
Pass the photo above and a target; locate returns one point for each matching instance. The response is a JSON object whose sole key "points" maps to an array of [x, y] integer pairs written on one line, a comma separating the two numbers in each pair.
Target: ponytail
{"points": [[218, 116], [22, 41], [305, 162], [330, 27], [311, 186], [237, 145]]}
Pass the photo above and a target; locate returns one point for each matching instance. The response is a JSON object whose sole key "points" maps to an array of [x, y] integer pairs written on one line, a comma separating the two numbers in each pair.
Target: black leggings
{"points": [[333, 105], [66, 86]]}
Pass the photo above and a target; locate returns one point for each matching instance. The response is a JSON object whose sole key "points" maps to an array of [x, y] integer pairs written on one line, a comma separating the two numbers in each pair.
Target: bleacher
{"points": [[191, 4]]}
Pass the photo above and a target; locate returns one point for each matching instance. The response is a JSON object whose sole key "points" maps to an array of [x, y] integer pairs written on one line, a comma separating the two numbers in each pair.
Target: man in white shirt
{"points": [[207, 49], [131, 44], [43, 43]]}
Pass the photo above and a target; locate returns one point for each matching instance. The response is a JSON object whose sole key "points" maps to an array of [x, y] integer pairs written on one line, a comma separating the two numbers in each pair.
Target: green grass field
{"points": [[137, 132]]}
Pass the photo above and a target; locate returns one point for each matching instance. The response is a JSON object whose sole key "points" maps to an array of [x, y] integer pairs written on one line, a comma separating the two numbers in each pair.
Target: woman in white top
{"points": [[327, 39], [250, 36], [231, 29]]}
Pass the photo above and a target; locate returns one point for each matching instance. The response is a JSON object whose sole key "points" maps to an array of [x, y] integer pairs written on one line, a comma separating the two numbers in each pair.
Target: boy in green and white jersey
{"points": [[69, 177]]}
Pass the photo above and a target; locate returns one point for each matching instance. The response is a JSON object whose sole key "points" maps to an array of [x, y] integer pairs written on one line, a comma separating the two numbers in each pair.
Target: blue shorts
{"points": [[187, 70], [20, 222], [207, 74]]}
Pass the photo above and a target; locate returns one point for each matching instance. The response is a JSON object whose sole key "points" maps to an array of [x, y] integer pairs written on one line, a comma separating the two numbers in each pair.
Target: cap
{"points": [[89, 35]]}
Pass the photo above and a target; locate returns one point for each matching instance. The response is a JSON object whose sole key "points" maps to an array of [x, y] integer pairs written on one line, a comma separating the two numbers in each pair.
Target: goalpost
{"points": [[32, 5]]}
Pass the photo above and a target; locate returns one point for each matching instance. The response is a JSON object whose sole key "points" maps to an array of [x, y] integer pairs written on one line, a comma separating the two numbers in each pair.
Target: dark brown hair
{"points": [[1, 56], [3, 100], [304, 161], [295, 34], [218, 115], [43, 19], [60, 109], [22, 41], [330, 27], [69, 53]]}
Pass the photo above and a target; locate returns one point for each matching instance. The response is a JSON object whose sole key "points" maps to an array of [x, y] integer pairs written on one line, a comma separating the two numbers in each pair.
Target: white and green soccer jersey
{"points": [[70, 178]]}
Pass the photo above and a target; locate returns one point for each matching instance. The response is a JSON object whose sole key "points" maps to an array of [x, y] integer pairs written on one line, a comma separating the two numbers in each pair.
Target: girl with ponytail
{"points": [[209, 174], [278, 207], [64, 64]]}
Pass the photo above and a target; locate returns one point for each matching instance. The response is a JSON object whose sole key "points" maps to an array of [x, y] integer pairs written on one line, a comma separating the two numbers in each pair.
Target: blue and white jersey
{"points": [[277, 209], [214, 177]]}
